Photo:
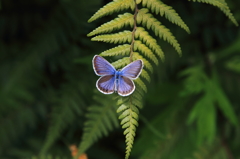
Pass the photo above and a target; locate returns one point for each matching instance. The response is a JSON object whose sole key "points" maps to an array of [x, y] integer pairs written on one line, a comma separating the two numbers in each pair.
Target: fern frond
{"points": [[159, 7], [129, 120], [115, 6], [119, 50], [145, 50], [204, 110], [102, 118], [143, 35], [141, 42], [57, 126], [63, 114], [146, 63], [145, 75], [160, 30], [121, 37], [117, 23], [222, 5], [121, 62]]}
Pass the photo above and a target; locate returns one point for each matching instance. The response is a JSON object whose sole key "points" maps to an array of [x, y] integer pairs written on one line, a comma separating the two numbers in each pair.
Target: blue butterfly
{"points": [[112, 80]]}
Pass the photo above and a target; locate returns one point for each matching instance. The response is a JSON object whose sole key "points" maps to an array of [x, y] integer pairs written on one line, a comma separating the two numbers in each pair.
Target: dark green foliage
{"points": [[183, 107], [101, 118]]}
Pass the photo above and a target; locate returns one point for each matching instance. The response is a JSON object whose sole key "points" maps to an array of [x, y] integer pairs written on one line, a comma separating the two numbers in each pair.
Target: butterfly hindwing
{"points": [[102, 67], [125, 86], [106, 84], [132, 70]]}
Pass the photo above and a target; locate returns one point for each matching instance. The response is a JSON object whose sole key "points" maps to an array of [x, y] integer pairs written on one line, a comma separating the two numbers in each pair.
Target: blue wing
{"points": [[125, 86], [102, 67], [106, 84], [132, 70]]}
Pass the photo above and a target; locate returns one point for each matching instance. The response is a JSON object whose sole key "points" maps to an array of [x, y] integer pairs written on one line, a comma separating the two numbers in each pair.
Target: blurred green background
{"points": [[191, 110]]}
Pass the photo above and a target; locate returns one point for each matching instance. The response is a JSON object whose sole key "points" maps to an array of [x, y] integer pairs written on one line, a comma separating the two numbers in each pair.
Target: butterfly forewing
{"points": [[132, 70], [102, 67], [106, 84], [125, 86]]}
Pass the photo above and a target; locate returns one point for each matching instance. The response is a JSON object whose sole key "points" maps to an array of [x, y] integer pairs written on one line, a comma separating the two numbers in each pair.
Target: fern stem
{"points": [[133, 32]]}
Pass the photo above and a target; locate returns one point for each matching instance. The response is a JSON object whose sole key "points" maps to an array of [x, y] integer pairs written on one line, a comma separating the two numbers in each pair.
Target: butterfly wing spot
{"points": [[125, 86], [106, 84]]}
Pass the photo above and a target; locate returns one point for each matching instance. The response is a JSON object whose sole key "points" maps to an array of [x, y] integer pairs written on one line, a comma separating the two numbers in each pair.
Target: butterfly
{"points": [[112, 80]]}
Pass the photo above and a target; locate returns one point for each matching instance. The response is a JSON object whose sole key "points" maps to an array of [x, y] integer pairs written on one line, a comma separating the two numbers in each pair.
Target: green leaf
{"points": [[122, 20], [121, 62], [115, 6], [121, 37], [222, 5], [101, 119], [145, 50], [160, 30], [119, 50], [204, 114], [143, 35], [233, 64], [160, 8], [224, 105]]}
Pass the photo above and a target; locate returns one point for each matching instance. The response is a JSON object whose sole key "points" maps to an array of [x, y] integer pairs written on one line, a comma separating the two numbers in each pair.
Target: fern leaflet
{"points": [[119, 50], [121, 37], [222, 5], [117, 23], [121, 62], [145, 50], [149, 40], [159, 7], [141, 84], [145, 75], [115, 6], [152, 23]]}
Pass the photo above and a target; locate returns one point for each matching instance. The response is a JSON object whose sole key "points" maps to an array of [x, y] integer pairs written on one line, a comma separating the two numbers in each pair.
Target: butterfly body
{"points": [[113, 80]]}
